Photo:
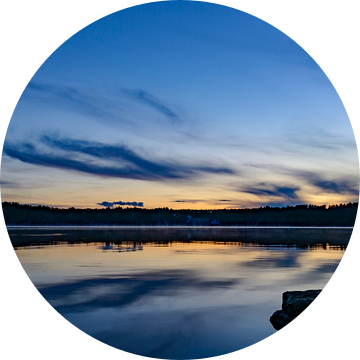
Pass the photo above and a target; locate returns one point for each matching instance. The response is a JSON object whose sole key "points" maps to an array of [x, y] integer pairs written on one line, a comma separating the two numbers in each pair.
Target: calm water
{"points": [[170, 293]]}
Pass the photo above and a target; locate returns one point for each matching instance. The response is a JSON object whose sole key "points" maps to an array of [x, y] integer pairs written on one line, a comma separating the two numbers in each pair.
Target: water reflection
{"points": [[301, 237], [121, 247], [121, 291], [167, 298], [278, 260]]}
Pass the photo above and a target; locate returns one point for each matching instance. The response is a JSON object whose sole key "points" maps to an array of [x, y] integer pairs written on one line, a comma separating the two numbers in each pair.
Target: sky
{"points": [[181, 105]]}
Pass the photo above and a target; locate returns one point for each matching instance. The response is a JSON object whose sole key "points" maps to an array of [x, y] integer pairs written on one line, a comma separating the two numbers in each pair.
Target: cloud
{"points": [[337, 186], [74, 99], [319, 138], [111, 204], [120, 160], [150, 100], [264, 189], [9, 184], [119, 108], [329, 183], [193, 201], [188, 201], [93, 103], [268, 194]]}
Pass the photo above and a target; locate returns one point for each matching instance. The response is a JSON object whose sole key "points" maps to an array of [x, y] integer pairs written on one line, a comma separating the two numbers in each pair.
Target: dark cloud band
{"points": [[327, 183], [131, 203], [285, 192], [122, 162]]}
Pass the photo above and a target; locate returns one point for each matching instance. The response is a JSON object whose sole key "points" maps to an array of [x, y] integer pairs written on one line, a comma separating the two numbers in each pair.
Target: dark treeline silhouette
{"points": [[299, 215]]}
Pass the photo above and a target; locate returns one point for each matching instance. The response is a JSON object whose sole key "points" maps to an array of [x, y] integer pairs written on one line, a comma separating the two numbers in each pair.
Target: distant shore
{"points": [[342, 215]]}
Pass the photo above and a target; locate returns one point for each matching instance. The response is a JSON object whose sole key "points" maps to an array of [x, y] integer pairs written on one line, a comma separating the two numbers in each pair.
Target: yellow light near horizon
{"points": [[331, 199]]}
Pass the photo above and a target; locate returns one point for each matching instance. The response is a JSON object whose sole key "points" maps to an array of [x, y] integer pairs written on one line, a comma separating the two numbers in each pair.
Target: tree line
{"points": [[299, 215]]}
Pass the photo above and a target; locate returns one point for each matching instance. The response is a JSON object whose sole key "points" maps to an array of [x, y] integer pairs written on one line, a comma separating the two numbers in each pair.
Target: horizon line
{"points": [[182, 209]]}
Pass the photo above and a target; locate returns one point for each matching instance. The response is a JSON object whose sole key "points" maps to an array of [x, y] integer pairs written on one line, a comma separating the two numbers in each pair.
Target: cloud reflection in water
{"points": [[119, 291]]}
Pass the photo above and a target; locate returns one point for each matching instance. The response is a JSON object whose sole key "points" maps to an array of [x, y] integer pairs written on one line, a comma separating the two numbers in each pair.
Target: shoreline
{"points": [[174, 227]]}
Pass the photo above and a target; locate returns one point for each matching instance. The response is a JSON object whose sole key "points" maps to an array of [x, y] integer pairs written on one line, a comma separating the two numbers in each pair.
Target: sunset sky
{"points": [[180, 105]]}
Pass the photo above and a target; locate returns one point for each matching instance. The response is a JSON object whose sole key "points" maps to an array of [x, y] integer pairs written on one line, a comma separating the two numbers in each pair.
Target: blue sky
{"points": [[180, 104]]}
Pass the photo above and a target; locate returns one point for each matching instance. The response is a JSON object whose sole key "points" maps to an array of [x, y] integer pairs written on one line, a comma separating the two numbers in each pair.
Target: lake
{"points": [[176, 293]]}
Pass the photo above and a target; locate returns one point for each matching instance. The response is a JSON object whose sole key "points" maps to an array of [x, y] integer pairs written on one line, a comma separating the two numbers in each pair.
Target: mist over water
{"points": [[175, 298]]}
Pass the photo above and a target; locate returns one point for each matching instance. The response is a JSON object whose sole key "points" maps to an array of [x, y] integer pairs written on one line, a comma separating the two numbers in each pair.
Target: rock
{"points": [[294, 303]]}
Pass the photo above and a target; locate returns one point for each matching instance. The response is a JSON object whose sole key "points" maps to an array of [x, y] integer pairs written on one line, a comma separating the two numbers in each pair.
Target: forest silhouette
{"points": [[299, 215]]}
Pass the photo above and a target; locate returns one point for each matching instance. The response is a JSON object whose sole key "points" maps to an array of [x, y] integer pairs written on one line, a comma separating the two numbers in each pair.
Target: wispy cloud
{"points": [[9, 184], [146, 98], [209, 201], [268, 194], [264, 189], [111, 204], [318, 138], [336, 186], [74, 99], [326, 182], [125, 109], [190, 201], [120, 160]]}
